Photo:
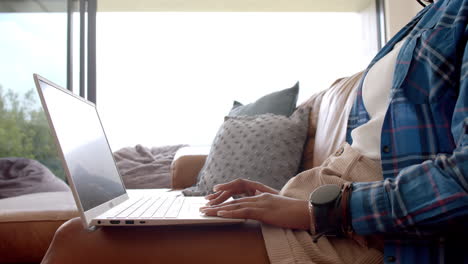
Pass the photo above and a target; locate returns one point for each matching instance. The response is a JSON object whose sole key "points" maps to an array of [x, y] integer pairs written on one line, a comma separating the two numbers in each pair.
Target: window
{"points": [[37, 37], [32, 41], [170, 78]]}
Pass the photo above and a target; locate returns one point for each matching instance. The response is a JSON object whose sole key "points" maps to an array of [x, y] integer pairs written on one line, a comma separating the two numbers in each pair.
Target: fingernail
{"points": [[221, 213], [215, 188]]}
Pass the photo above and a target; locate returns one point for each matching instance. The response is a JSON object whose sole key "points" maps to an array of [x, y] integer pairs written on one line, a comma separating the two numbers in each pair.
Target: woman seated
{"points": [[407, 156]]}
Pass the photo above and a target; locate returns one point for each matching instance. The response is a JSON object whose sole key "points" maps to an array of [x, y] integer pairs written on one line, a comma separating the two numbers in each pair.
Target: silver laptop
{"points": [[97, 186]]}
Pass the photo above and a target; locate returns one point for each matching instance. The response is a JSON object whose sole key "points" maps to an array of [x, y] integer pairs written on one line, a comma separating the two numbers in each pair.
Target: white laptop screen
{"points": [[84, 146]]}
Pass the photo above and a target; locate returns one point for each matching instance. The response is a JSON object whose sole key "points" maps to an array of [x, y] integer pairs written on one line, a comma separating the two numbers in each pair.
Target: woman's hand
{"points": [[268, 208], [239, 186]]}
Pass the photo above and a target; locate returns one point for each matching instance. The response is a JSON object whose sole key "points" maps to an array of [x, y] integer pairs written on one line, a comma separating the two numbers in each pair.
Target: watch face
{"points": [[325, 194]]}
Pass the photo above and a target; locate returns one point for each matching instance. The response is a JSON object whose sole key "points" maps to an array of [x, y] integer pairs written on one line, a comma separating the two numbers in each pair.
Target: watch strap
{"points": [[347, 227]]}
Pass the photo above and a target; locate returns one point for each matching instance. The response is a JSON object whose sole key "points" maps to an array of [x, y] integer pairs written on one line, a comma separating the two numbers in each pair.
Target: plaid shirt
{"points": [[424, 143]]}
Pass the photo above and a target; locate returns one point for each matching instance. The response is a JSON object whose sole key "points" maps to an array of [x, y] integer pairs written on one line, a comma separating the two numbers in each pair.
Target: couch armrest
{"points": [[28, 224], [238, 243], [187, 163]]}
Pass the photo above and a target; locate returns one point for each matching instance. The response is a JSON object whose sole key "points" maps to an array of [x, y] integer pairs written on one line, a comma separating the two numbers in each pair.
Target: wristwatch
{"points": [[329, 210]]}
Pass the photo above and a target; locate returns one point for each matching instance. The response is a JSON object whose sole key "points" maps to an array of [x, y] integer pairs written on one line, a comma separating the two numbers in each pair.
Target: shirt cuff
{"points": [[369, 208]]}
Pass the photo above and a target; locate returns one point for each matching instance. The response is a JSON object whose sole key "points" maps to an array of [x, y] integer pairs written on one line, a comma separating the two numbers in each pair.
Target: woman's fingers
{"points": [[223, 196], [228, 205], [243, 213], [239, 186], [213, 211], [262, 187], [266, 207], [236, 186], [250, 199], [213, 195]]}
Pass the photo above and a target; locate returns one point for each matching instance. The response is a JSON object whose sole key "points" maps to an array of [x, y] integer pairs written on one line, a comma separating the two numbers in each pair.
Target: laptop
{"points": [[97, 186]]}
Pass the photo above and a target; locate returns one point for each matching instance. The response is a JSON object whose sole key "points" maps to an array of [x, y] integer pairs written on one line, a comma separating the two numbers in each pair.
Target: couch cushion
{"points": [[280, 103], [20, 176], [28, 224], [265, 148]]}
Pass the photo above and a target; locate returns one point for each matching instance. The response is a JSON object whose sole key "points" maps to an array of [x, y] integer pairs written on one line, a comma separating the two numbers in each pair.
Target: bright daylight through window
{"points": [[170, 78]]}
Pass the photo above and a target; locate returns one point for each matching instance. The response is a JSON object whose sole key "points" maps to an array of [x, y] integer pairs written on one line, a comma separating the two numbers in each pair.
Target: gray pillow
{"points": [[280, 103], [265, 148]]}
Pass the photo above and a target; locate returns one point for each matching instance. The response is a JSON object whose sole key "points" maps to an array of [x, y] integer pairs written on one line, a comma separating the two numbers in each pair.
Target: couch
{"points": [[240, 243], [28, 224], [34, 203]]}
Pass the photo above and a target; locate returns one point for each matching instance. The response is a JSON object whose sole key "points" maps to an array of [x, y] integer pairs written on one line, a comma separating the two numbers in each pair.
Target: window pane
{"points": [[170, 78], [32, 41]]}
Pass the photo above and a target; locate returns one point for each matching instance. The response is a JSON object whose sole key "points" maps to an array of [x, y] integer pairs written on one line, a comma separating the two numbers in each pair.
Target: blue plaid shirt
{"points": [[423, 198]]}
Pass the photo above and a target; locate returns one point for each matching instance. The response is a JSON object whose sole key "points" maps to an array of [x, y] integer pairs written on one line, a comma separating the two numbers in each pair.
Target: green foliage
{"points": [[24, 131]]}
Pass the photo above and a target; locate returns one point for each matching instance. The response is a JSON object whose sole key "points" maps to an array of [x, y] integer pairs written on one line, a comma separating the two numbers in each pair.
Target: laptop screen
{"points": [[84, 146]]}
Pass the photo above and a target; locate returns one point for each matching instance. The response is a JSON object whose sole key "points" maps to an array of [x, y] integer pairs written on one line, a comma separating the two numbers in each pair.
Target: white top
{"points": [[376, 97]]}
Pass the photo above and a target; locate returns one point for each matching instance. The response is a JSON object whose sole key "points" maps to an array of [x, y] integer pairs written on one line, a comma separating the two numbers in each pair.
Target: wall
{"points": [[369, 17], [398, 14], [232, 5]]}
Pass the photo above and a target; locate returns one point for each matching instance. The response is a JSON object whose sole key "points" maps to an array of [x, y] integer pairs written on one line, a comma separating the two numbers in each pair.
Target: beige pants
{"points": [[346, 165]]}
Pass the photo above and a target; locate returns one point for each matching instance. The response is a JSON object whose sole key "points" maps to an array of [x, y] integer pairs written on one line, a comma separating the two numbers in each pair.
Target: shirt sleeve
{"points": [[423, 197]]}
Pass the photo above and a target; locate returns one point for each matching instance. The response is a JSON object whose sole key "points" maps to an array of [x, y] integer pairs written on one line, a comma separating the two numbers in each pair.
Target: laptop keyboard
{"points": [[153, 207]]}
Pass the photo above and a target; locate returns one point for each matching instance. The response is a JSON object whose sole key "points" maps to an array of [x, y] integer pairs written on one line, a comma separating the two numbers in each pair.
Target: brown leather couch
{"points": [[241, 243], [28, 224]]}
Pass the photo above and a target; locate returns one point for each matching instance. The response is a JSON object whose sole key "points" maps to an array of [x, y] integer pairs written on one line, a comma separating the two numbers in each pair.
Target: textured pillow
{"points": [[280, 103], [265, 148]]}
